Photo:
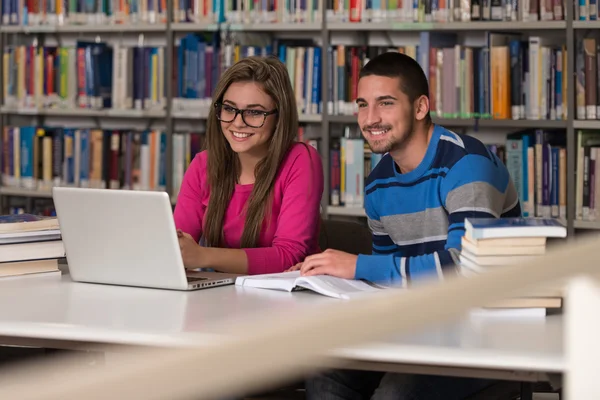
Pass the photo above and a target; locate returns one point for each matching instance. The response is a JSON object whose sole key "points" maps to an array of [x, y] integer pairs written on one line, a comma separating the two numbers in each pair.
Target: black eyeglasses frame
{"points": [[241, 111]]}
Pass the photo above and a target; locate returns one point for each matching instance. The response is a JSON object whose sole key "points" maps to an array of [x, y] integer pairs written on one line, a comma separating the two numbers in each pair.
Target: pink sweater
{"points": [[293, 232]]}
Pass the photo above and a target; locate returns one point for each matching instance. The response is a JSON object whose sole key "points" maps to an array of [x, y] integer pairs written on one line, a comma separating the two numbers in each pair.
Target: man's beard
{"points": [[386, 145]]}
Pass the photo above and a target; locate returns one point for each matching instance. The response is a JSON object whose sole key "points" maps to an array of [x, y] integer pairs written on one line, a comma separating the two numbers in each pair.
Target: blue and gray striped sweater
{"points": [[417, 218]]}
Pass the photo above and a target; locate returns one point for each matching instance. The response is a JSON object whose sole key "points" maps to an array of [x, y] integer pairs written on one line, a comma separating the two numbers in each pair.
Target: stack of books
{"points": [[30, 245], [490, 243]]}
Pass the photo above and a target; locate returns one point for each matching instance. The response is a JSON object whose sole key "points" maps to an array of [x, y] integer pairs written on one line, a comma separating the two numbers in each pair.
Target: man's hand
{"points": [[191, 251], [330, 262]]}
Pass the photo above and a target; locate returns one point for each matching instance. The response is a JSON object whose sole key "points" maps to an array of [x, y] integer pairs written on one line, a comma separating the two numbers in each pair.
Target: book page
{"points": [[337, 287], [279, 281]]}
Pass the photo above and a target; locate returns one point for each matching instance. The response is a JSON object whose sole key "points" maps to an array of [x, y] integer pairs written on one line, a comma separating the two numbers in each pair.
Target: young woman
{"points": [[252, 198]]}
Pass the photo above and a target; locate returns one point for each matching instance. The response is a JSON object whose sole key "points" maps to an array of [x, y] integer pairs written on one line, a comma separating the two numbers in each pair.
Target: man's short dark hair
{"points": [[413, 81]]}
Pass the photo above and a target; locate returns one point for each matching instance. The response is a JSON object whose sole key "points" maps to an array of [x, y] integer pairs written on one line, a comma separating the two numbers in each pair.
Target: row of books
{"points": [[509, 78], [97, 75], [350, 163], [57, 13], [200, 59], [446, 11], [536, 161], [87, 75], [585, 10], [39, 158], [28, 12], [75, 12]]}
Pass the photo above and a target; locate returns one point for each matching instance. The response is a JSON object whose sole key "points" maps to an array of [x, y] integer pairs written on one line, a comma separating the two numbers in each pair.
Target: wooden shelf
{"points": [[447, 26], [22, 192], [476, 123]]}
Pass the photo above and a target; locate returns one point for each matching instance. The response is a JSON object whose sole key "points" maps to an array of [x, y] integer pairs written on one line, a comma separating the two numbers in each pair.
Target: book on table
{"points": [[30, 245], [13, 223], [326, 285], [495, 228]]}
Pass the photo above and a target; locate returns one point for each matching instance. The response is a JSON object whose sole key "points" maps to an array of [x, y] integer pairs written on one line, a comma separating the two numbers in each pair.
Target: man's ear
{"points": [[422, 108]]}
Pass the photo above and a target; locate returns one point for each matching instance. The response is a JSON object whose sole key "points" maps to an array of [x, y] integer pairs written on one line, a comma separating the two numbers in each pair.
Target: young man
{"points": [[416, 201]]}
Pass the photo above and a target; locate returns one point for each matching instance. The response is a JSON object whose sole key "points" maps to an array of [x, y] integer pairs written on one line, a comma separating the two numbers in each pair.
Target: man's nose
{"points": [[373, 116]]}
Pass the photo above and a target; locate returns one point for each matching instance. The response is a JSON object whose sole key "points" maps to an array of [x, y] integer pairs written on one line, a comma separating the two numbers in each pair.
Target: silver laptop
{"points": [[125, 237]]}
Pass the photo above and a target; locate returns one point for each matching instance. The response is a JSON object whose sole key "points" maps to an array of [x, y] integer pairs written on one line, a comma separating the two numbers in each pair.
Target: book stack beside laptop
{"points": [[490, 243], [30, 245]]}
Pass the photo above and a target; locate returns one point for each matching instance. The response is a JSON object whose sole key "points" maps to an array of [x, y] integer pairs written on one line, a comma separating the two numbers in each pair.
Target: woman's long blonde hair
{"points": [[223, 163]]}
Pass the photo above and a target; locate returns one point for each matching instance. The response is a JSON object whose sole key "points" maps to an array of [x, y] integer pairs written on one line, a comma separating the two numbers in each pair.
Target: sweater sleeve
{"points": [[298, 224], [474, 187], [189, 210]]}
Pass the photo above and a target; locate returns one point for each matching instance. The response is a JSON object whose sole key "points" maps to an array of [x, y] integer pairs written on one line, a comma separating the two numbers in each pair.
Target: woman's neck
{"points": [[248, 164]]}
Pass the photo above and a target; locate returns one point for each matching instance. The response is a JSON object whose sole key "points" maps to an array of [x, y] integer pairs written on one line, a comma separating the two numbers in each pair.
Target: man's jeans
{"points": [[363, 385]]}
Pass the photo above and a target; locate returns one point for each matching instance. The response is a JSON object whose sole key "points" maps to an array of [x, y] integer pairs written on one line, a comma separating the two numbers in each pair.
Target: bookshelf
{"points": [[325, 28]]}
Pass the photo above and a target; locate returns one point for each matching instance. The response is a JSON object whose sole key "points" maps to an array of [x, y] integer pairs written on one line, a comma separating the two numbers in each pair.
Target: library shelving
{"points": [[480, 58]]}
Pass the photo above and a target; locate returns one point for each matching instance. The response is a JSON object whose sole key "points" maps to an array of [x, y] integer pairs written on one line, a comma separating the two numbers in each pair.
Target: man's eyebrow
{"points": [[386, 97], [256, 105]]}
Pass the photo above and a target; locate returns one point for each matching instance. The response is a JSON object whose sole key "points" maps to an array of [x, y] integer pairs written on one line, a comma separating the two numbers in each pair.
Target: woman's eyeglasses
{"points": [[251, 117]]}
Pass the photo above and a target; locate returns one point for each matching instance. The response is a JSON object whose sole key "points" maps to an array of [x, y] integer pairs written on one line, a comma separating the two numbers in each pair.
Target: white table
{"points": [[59, 313]]}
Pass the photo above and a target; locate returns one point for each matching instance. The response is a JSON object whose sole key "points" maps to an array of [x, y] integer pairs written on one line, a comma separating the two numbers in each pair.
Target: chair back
{"points": [[350, 237]]}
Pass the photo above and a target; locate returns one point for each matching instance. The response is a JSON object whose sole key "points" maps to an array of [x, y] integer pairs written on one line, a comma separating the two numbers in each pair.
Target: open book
{"points": [[323, 284]]}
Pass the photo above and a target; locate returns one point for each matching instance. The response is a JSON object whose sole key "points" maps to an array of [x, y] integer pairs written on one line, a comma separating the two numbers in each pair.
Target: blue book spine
{"points": [[330, 78], [282, 53], [181, 67], [11, 155], [218, 10], [192, 65], [84, 161], [105, 77], [162, 169], [554, 187], [316, 83], [202, 75], [27, 137], [558, 84], [583, 10]]}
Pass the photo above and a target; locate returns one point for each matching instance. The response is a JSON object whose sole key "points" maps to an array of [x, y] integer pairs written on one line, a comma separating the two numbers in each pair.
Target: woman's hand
{"points": [[294, 268], [191, 251]]}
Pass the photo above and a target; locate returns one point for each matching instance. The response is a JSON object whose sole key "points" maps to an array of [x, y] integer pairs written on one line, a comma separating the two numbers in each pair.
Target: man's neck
{"points": [[412, 153]]}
